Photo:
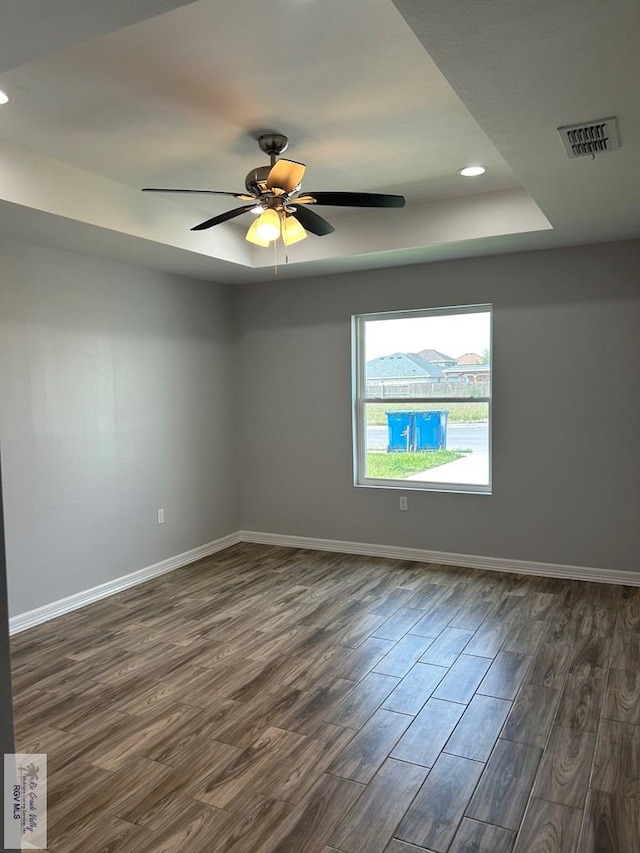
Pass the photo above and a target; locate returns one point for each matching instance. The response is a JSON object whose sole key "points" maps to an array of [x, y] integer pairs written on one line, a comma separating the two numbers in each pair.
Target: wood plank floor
{"points": [[273, 700]]}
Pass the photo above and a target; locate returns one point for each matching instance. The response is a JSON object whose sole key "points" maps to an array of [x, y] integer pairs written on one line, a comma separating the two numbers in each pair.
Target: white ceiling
{"points": [[374, 95]]}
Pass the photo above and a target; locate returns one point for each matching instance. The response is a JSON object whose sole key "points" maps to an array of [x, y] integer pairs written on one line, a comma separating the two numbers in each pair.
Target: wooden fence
{"points": [[383, 390]]}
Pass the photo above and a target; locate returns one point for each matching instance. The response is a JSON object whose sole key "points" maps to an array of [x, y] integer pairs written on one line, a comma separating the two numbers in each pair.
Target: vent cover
{"points": [[590, 138]]}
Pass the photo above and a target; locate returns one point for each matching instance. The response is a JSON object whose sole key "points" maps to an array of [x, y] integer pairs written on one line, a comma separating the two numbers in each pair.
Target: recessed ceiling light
{"points": [[4, 98], [472, 171]]}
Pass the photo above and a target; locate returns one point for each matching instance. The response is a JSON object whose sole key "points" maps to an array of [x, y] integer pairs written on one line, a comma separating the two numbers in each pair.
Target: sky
{"points": [[452, 334]]}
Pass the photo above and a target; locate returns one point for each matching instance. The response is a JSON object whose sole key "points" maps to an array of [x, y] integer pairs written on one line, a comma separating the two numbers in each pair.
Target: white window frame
{"points": [[360, 399]]}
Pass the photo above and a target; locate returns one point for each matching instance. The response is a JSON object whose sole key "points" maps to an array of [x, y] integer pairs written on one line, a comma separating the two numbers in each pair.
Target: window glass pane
{"points": [[444, 355], [428, 442]]}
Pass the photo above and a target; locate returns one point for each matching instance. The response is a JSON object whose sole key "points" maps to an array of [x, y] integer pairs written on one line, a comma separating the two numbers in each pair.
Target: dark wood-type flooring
{"points": [[270, 699]]}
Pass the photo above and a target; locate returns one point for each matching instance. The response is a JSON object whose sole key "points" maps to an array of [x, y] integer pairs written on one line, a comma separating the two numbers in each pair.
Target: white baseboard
{"points": [[81, 599], [420, 555], [396, 552]]}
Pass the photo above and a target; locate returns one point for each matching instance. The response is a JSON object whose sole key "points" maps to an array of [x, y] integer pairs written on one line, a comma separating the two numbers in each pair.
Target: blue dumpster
{"points": [[416, 431], [430, 430], [400, 426]]}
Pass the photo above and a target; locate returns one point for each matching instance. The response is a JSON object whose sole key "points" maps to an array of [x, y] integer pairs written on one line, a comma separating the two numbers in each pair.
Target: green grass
{"points": [[458, 412], [396, 466]]}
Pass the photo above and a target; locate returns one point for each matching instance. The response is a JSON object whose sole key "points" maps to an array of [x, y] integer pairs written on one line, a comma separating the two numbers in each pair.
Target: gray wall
{"points": [[123, 390], [566, 473], [116, 398]]}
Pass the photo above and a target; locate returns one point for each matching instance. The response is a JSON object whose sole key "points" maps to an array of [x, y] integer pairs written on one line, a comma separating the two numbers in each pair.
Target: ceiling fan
{"points": [[274, 192]]}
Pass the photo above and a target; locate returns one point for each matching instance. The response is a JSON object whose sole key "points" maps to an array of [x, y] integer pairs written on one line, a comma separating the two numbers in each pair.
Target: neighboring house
{"points": [[470, 358], [468, 373], [435, 357], [409, 374], [400, 374]]}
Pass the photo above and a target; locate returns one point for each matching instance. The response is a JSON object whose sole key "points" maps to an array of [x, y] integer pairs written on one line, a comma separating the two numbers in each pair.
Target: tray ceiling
{"points": [[374, 96]]}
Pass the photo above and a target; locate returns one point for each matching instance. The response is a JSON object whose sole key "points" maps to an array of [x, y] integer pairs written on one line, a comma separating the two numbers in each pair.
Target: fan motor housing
{"points": [[256, 180]]}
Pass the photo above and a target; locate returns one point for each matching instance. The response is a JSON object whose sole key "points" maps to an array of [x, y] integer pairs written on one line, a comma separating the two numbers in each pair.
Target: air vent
{"points": [[590, 138]]}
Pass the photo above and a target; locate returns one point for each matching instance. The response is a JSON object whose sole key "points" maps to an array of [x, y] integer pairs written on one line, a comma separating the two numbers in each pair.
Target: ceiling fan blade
{"points": [[286, 175], [241, 196], [356, 199], [310, 220], [223, 217]]}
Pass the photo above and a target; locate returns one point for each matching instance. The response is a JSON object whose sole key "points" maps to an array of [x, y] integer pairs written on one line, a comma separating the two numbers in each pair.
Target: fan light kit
{"points": [[4, 98], [472, 171], [274, 192]]}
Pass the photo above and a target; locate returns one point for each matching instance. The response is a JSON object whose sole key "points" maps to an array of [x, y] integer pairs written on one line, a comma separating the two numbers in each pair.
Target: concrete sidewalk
{"points": [[470, 470]]}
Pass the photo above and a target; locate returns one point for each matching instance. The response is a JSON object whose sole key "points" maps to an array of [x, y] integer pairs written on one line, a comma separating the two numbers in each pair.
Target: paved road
{"points": [[459, 437]]}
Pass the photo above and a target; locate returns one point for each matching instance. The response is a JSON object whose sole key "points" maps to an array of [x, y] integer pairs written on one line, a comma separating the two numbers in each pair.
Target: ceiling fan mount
{"points": [[285, 208], [273, 144]]}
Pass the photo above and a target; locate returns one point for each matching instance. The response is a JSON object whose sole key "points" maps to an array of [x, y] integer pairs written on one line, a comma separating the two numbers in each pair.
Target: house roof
{"points": [[107, 100], [434, 355], [402, 365], [470, 358]]}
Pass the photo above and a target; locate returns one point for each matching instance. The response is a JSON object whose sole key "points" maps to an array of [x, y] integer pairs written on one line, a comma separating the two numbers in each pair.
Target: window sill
{"points": [[426, 486]]}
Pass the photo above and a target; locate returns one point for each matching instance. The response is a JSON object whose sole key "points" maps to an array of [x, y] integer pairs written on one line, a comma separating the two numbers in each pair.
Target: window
{"points": [[422, 399]]}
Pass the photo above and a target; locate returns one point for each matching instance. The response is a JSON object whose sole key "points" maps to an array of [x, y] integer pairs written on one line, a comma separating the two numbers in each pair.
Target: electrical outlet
{"points": [[160, 516], [404, 502]]}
